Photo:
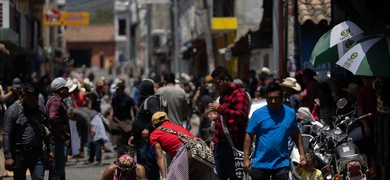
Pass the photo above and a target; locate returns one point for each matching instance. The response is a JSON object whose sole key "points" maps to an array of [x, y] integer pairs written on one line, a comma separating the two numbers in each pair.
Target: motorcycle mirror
{"points": [[341, 103], [326, 128]]}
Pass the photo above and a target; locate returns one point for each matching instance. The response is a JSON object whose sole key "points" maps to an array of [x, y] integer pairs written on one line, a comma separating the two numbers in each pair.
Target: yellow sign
{"points": [[229, 23], [54, 17], [74, 18]]}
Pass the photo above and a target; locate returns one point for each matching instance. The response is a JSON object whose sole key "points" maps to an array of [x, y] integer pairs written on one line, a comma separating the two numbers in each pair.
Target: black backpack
{"points": [[163, 103]]}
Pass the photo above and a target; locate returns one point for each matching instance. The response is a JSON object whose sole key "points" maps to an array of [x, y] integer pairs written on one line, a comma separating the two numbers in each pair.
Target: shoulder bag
{"points": [[238, 155], [45, 133], [197, 148]]}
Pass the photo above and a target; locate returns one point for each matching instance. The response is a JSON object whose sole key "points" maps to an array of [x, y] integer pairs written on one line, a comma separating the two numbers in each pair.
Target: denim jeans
{"points": [[280, 174], [96, 150], [60, 157], [31, 159], [224, 161], [147, 157]]}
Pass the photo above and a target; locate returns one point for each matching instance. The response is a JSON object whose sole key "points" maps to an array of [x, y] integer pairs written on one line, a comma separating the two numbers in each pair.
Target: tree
{"points": [[103, 16]]}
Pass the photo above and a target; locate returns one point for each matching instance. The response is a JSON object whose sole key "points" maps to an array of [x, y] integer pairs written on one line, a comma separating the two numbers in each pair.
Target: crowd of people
{"points": [[46, 122]]}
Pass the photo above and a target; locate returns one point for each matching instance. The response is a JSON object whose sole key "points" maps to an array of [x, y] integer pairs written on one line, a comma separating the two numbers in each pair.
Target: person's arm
{"points": [[8, 130], [297, 137], [160, 160], [247, 145], [7, 97], [359, 108], [108, 174], [141, 173]]}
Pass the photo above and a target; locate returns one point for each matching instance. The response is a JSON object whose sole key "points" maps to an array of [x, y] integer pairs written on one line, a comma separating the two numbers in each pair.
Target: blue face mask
{"points": [[212, 90]]}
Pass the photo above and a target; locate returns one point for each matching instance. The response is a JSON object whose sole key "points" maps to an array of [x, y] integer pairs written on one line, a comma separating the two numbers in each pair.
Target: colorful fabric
{"points": [[125, 168], [234, 107], [169, 142], [58, 118], [179, 169]]}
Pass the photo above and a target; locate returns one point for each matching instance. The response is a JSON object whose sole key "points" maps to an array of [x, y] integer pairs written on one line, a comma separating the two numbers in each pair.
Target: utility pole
{"points": [[128, 32], [148, 39], [48, 48], [176, 37], [208, 37]]}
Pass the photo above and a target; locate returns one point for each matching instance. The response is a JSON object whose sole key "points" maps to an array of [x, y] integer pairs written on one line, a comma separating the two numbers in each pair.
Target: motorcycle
{"points": [[342, 157], [308, 127]]}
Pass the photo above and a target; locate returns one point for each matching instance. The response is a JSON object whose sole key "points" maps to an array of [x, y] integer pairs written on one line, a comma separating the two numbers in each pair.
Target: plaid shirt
{"points": [[58, 118], [233, 108]]}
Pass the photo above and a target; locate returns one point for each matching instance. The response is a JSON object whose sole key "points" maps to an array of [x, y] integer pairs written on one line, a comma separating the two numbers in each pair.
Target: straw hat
{"points": [[159, 117], [265, 70], [291, 83], [75, 84], [352, 89]]}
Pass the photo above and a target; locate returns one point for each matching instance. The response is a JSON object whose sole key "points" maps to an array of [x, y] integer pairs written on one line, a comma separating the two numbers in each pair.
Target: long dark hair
{"points": [[384, 92]]}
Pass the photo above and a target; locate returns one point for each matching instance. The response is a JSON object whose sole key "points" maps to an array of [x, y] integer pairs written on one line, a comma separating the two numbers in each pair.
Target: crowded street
{"points": [[194, 89]]}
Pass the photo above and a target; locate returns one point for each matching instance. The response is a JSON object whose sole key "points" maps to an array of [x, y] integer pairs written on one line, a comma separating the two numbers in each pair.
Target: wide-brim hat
{"points": [[159, 117], [321, 77], [75, 84], [291, 83], [265, 70], [352, 89]]}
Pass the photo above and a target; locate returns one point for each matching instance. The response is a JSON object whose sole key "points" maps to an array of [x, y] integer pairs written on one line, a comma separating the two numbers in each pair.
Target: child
{"points": [[308, 171], [124, 168]]}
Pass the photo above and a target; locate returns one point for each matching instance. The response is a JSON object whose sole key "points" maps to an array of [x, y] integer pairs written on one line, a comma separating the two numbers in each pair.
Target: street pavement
{"points": [[76, 170]]}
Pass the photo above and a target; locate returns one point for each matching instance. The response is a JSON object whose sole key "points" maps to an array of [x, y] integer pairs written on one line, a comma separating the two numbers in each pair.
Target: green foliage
{"points": [[102, 16]]}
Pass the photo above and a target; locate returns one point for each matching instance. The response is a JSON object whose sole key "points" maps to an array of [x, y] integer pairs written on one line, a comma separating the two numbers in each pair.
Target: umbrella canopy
{"points": [[369, 57], [334, 43]]}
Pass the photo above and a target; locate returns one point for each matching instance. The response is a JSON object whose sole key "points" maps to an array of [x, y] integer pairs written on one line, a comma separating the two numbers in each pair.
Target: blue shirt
{"points": [[272, 130]]}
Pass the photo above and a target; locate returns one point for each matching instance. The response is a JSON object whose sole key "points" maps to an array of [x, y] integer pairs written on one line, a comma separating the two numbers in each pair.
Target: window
{"points": [[122, 27], [223, 8]]}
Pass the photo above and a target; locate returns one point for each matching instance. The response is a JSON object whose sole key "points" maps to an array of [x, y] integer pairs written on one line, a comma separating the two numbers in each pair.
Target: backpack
{"points": [[163, 103]]}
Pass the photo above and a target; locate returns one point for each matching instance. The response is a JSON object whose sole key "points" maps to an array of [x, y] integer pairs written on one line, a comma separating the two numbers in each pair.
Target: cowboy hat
{"points": [[291, 83], [352, 89]]}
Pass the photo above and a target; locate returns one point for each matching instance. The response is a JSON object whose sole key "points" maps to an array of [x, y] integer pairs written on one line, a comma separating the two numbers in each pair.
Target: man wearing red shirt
{"points": [[161, 141]]}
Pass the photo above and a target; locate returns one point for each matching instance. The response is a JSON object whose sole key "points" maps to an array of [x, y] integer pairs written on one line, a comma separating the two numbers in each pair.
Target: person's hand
{"points": [[317, 101], [92, 132], [302, 160], [145, 134], [213, 106], [130, 140], [213, 115], [9, 164], [247, 165], [51, 154], [212, 145]]}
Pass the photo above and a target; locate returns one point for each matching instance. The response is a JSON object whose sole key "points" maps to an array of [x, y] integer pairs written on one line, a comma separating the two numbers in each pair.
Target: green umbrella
{"points": [[369, 57], [335, 42]]}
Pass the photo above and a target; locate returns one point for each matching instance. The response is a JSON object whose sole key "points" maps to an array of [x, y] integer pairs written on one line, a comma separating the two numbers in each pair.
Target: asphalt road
{"points": [[76, 170]]}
